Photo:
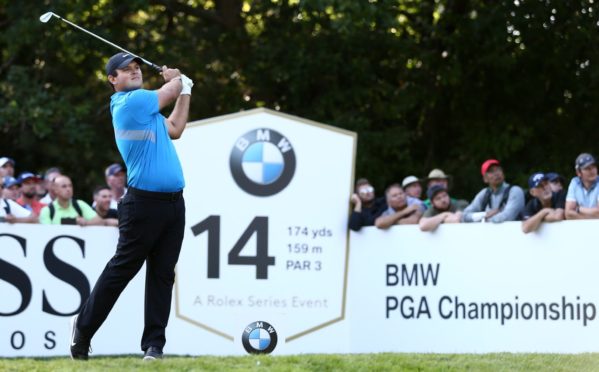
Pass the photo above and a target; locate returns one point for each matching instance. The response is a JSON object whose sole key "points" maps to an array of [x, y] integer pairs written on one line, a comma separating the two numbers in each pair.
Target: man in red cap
{"points": [[497, 203]]}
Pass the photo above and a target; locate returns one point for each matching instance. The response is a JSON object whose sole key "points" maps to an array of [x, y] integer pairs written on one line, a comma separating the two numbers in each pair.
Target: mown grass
{"points": [[319, 362]]}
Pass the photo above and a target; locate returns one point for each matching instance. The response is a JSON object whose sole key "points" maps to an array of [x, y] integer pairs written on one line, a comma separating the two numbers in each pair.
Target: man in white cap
{"points": [[7, 167], [436, 177], [412, 186]]}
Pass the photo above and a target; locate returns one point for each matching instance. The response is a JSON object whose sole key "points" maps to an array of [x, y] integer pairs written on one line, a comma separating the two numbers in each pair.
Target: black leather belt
{"points": [[167, 196]]}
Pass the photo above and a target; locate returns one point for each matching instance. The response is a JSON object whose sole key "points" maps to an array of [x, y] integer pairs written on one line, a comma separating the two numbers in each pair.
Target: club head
{"points": [[46, 17]]}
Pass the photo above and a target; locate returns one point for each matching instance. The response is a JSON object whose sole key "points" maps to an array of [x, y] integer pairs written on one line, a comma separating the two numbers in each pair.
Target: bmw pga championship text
{"points": [[448, 306]]}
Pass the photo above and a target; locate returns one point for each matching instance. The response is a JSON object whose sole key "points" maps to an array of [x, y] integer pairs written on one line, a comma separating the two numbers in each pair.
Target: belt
{"points": [[168, 196]]}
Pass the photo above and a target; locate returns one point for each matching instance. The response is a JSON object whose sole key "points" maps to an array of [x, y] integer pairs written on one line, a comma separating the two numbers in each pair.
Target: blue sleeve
{"points": [[143, 103], [571, 195]]}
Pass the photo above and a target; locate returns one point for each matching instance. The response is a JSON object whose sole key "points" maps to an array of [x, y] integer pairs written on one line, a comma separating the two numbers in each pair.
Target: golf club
{"points": [[44, 18]]}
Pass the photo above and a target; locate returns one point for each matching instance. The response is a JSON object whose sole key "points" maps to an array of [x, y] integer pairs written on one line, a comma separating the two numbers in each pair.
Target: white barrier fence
{"points": [[463, 288]]}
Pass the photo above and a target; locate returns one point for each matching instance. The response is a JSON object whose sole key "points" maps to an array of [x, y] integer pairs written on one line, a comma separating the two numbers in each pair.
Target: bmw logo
{"points": [[262, 162], [259, 338]]}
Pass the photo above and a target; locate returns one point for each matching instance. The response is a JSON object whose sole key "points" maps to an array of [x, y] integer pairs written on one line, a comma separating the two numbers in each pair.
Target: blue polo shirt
{"points": [[580, 195], [142, 138]]}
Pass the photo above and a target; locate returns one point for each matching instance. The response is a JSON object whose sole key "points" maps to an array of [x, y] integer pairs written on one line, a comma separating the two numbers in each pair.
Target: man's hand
{"points": [[491, 213], [187, 85], [10, 218], [355, 200], [170, 73]]}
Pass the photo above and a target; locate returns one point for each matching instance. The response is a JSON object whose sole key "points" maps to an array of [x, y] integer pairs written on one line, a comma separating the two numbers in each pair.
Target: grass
{"points": [[319, 362]]}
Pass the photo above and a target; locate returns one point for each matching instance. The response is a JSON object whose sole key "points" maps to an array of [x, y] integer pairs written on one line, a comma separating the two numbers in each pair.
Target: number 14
{"points": [[261, 260]]}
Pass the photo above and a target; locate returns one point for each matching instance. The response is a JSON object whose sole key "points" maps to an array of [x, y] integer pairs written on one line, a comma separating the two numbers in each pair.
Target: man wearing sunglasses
{"points": [[367, 207]]}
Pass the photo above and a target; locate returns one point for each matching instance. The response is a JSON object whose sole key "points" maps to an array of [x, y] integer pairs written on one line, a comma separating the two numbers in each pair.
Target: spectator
{"points": [[28, 198], [497, 203], [443, 209], [7, 167], [116, 180], [64, 209], [401, 209], [545, 205], [49, 177], [412, 187], [102, 199], [12, 188], [583, 193], [367, 207], [556, 181], [11, 211], [438, 177]]}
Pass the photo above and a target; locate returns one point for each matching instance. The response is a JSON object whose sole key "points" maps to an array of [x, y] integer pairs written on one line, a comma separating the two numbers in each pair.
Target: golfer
{"points": [[152, 213]]}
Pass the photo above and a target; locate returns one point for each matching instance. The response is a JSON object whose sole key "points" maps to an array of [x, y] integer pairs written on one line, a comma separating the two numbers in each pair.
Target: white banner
{"points": [[475, 288], [464, 288]]}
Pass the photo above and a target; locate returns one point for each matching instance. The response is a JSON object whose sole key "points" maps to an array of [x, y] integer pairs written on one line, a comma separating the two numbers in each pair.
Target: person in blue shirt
{"points": [[152, 213], [582, 199]]}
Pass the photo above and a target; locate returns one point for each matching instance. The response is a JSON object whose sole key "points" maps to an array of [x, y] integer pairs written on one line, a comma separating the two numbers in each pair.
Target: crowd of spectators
{"points": [[48, 198], [546, 199]]}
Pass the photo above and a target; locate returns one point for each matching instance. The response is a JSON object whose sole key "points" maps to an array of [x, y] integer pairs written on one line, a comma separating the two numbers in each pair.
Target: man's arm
{"points": [[514, 205], [171, 89], [97, 221], [384, 222], [431, 223], [178, 118], [413, 218], [533, 222], [574, 212], [355, 219], [555, 215], [589, 213], [474, 207]]}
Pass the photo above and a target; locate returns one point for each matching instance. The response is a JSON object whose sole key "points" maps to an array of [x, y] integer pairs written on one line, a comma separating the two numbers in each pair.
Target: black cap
{"points": [[434, 190], [120, 60]]}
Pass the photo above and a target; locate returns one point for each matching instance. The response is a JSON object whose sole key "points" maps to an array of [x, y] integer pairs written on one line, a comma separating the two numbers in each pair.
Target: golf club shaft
{"points": [[154, 66]]}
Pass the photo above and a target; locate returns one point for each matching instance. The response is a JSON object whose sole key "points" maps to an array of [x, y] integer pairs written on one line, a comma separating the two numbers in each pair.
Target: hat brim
{"points": [[124, 63]]}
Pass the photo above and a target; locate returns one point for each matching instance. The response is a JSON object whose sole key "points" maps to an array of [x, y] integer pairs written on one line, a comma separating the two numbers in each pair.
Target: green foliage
{"points": [[426, 84]]}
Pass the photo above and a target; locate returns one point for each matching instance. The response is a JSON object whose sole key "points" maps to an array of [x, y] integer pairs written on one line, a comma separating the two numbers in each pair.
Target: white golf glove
{"points": [[187, 85]]}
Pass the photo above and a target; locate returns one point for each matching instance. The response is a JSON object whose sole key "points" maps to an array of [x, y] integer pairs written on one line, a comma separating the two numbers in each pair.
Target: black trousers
{"points": [[151, 227]]}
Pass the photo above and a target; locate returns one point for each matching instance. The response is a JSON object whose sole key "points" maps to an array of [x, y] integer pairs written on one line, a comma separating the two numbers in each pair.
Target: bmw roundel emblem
{"points": [[262, 162], [259, 338]]}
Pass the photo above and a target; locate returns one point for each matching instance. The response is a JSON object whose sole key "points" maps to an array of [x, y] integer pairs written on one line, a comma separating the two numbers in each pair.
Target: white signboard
{"points": [[475, 288], [464, 288], [266, 240]]}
